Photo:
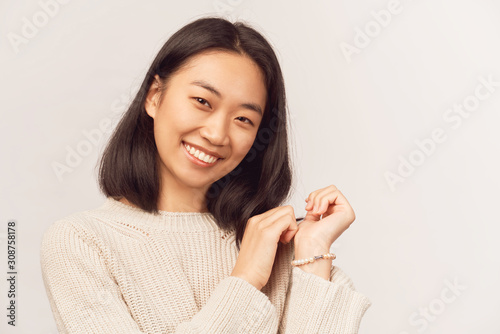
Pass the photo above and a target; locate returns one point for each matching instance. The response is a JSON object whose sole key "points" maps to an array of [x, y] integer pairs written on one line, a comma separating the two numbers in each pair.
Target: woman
{"points": [[192, 237]]}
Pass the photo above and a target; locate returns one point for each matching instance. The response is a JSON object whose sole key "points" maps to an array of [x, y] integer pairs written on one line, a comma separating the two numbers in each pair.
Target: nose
{"points": [[215, 129]]}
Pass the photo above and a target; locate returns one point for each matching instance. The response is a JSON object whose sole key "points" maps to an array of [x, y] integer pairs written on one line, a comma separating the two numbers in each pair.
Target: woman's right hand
{"points": [[260, 243]]}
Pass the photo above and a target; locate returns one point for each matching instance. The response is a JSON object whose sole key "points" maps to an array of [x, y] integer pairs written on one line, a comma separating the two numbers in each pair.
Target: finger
{"points": [[313, 197], [288, 235], [269, 218], [321, 200], [264, 215], [289, 231], [340, 204], [335, 197], [281, 222], [310, 199], [317, 196], [312, 216], [327, 199]]}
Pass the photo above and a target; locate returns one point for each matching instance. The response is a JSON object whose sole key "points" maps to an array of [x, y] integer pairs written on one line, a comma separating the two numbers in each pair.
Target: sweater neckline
{"points": [[164, 220], [164, 213]]}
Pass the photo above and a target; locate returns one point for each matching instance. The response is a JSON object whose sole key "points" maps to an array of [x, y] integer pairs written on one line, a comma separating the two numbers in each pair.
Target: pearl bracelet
{"points": [[312, 259]]}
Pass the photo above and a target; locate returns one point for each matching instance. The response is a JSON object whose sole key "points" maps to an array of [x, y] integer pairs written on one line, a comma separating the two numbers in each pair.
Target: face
{"points": [[211, 110]]}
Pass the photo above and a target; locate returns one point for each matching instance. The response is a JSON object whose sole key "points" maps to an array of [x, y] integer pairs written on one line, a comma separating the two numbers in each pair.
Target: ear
{"points": [[153, 98]]}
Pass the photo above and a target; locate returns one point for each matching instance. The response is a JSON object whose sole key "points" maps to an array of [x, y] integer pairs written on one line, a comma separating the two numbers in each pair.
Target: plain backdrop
{"points": [[394, 102]]}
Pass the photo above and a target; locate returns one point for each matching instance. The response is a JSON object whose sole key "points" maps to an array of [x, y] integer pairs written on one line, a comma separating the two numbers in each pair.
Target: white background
{"points": [[355, 118]]}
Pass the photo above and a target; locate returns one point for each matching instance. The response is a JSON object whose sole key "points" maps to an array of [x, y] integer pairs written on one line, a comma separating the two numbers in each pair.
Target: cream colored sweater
{"points": [[119, 269]]}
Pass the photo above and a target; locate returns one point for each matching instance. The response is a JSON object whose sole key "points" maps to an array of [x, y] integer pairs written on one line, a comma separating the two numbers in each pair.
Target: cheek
{"points": [[172, 120], [244, 144]]}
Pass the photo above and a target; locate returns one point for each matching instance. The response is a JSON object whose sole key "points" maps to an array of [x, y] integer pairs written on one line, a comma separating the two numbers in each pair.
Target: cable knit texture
{"points": [[119, 269]]}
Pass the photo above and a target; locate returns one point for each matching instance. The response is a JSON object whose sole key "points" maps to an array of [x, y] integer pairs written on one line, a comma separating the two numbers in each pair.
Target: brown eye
{"points": [[202, 101], [249, 121]]}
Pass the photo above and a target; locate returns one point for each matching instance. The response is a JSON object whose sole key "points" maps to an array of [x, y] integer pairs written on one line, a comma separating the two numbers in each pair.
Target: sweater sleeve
{"points": [[315, 305], [85, 298]]}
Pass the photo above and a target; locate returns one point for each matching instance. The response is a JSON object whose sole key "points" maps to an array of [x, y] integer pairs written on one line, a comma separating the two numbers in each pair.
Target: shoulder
{"points": [[81, 221], [99, 228], [79, 226]]}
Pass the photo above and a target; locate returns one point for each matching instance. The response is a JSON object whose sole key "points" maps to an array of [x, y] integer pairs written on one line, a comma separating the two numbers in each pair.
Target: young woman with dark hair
{"points": [[193, 237]]}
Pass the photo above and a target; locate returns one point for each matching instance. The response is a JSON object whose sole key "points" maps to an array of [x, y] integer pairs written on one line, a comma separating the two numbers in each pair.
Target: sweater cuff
{"points": [[338, 276], [333, 307], [235, 306]]}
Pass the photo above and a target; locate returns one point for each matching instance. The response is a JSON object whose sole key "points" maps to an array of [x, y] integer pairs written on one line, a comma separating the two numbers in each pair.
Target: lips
{"points": [[204, 150], [212, 161]]}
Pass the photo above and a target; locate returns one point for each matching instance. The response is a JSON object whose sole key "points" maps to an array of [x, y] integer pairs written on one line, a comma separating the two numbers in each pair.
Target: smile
{"points": [[202, 156]]}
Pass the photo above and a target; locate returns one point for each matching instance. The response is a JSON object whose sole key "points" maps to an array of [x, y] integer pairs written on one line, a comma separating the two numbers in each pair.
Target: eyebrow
{"points": [[250, 106]]}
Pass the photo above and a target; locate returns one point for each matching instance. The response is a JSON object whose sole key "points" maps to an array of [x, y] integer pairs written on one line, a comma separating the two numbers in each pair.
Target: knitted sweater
{"points": [[119, 269]]}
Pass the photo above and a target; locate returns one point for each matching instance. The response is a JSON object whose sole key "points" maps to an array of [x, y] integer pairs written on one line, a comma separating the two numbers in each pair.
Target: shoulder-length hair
{"points": [[262, 181]]}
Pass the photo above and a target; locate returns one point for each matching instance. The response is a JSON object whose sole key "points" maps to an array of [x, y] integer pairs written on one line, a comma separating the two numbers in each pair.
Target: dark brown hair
{"points": [[262, 181]]}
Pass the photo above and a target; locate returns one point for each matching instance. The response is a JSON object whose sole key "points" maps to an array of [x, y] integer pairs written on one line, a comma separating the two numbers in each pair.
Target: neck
{"points": [[178, 196], [182, 201]]}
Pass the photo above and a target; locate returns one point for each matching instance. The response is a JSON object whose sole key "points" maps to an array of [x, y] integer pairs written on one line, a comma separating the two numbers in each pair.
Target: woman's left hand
{"points": [[337, 213]]}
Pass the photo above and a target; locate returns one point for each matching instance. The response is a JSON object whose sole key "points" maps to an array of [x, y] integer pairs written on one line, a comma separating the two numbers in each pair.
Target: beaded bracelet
{"points": [[312, 259]]}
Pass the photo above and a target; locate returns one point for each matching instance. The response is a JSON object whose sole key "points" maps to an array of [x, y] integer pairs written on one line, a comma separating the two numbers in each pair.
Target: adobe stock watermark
{"points": [[226, 6], [422, 318], [90, 139], [371, 30], [454, 116], [31, 26]]}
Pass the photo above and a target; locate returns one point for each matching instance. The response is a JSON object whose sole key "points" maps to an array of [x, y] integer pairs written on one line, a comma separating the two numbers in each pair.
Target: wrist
{"points": [[320, 267], [309, 248], [244, 277]]}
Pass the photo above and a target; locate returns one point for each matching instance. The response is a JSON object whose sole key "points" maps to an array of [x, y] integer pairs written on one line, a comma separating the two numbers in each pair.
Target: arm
{"points": [[317, 305], [85, 298]]}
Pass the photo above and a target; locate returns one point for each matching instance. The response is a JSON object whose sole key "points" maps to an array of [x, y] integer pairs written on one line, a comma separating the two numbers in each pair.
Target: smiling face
{"points": [[214, 104]]}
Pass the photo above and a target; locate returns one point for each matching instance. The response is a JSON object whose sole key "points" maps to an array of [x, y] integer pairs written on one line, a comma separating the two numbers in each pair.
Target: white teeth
{"points": [[200, 155]]}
